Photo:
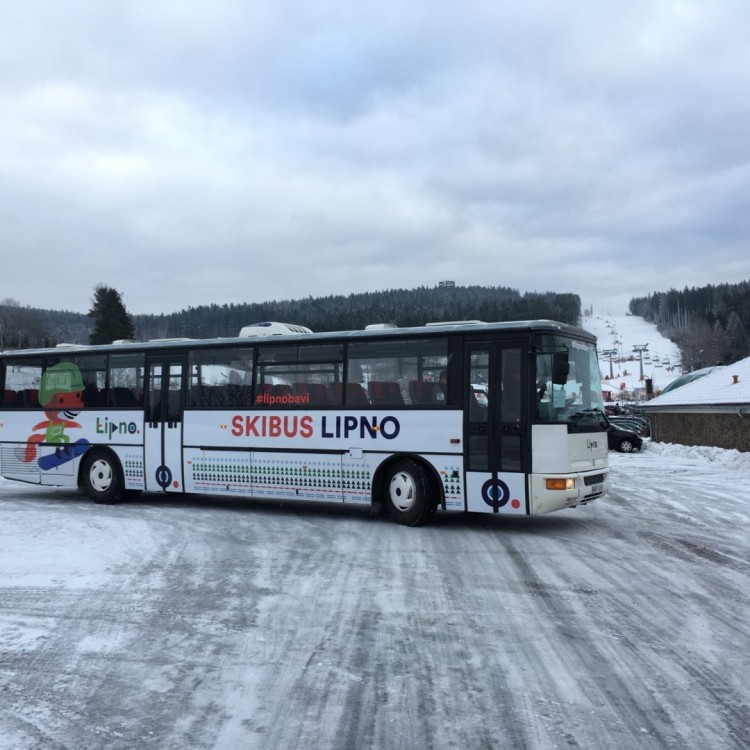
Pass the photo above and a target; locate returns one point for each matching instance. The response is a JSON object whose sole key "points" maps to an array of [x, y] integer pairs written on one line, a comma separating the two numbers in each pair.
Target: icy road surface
{"points": [[185, 624]]}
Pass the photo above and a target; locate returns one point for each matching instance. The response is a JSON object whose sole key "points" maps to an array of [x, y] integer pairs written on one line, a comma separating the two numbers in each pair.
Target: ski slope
{"points": [[661, 361]]}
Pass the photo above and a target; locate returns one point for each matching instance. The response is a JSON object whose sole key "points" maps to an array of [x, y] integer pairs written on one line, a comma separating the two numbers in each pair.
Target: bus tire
{"points": [[101, 477], [407, 493]]}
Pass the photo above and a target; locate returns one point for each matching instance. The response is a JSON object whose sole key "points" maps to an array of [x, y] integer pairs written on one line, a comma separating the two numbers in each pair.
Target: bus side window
{"points": [[126, 378], [385, 393], [477, 409], [22, 379], [355, 395], [421, 391], [121, 396], [263, 394], [92, 396], [282, 394], [511, 385], [400, 372], [314, 394]]}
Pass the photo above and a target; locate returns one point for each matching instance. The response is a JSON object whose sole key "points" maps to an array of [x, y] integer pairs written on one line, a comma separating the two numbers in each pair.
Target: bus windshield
{"points": [[580, 395]]}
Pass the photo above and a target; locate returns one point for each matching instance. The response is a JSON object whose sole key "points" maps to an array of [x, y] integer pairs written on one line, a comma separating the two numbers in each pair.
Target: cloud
{"points": [[188, 153]]}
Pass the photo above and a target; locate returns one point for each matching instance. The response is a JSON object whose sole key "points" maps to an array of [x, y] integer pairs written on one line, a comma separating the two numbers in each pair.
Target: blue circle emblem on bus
{"points": [[495, 493], [163, 476]]}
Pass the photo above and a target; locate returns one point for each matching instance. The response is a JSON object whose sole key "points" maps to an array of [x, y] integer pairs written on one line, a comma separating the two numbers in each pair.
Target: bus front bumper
{"points": [[551, 492]]}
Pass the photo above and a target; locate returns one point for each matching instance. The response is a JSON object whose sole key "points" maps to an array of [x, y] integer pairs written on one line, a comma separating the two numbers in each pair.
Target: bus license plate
{"points": [[596, 489]]}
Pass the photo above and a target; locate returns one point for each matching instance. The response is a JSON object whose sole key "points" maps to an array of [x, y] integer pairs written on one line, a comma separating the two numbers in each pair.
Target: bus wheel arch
{"points": [[408, 489], [101, 476]]}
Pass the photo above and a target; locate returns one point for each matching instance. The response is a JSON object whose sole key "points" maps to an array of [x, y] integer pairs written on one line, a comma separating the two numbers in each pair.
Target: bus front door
{"points": [[163, 423], [496, 428]]}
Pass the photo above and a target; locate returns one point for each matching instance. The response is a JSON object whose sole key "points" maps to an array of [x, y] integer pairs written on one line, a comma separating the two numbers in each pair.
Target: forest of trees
{"points": [[404, 307], [23, 327], [709, 324]]}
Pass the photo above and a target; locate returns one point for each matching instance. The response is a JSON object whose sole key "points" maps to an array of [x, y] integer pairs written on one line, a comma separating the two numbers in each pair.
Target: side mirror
{"points": [[560, 368]]}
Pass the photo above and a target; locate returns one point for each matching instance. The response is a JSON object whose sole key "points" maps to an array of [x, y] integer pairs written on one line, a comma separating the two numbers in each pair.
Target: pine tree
{"points": [[111, 319], [737, 336], [719, 349]]}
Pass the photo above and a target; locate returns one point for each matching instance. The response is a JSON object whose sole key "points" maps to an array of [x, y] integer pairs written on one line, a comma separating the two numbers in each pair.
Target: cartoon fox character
{"points": [[60, 393]]}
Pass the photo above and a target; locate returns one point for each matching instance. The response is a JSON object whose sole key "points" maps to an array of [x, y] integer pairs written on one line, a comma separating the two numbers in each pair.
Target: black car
{"points": [[623, 440], [636, 424]]}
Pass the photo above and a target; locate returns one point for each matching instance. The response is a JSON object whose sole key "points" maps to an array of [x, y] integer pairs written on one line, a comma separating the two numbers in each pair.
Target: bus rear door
{"points": [[165, 395], [496, 428]]}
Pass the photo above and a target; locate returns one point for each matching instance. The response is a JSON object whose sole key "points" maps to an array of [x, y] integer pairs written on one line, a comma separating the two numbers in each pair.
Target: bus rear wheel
{"points": [[101, 477], [408, 499]]}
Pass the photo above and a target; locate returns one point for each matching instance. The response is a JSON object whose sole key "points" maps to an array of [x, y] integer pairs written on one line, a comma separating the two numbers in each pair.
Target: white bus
{"points": [[500, 418]]}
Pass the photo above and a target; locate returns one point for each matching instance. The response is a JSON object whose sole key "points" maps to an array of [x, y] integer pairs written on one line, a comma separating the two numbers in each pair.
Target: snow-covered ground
{"points": [[186, 623], [661, 361]]}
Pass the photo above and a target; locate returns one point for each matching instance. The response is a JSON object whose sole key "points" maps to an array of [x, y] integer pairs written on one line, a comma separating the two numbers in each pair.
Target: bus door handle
{"points": [[477, 428], [514, 428]]}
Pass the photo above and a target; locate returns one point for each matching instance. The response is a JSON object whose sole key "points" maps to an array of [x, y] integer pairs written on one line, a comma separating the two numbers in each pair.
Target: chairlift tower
{"points": [[639, 349], [609, 353]]}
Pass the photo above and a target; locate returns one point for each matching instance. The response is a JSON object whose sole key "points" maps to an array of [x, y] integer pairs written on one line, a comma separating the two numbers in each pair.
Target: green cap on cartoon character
{"points": [[61, 386]]}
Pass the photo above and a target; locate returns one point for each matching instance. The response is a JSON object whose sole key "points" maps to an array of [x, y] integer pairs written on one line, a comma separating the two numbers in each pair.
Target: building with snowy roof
{"points": [[714, 410]]}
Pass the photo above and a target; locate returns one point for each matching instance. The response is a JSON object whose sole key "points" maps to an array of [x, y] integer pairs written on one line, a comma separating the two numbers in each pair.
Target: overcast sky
{"points": [[191, 152]]}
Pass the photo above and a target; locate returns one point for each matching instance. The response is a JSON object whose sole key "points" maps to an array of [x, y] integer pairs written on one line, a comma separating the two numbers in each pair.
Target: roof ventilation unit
{"points": [[273, 329]]}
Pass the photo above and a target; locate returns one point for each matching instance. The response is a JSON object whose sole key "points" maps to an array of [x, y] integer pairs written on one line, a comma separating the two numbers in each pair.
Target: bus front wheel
{"points": [[101, 477], [408, 499]]}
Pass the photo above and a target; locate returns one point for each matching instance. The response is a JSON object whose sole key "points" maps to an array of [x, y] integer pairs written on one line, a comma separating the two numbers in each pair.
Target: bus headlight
{"points": [[560, 483]]}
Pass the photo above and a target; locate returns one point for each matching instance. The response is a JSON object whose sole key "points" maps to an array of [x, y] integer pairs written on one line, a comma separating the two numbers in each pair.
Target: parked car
{"points": [[636, 424], [623, 440]]}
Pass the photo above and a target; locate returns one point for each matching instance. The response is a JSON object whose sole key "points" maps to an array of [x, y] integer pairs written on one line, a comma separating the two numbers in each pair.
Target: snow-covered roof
{"points": [[725, 387]]}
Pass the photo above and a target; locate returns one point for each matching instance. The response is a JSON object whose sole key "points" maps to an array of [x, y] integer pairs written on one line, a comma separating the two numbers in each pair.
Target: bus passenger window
{"points": [[126, 379], [385, 393], [479, 394], [478, 404], [314, 394], [399, 373], [355, 395], [221, 377], [21, 386], [511, 385], [299, 376]]}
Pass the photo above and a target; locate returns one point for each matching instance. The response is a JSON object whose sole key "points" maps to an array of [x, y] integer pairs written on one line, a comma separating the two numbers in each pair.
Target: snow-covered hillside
{"points": [[621, 333]]}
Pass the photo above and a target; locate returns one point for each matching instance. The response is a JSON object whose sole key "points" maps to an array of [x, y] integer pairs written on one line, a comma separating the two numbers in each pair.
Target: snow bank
{"points": [[733, 460]]}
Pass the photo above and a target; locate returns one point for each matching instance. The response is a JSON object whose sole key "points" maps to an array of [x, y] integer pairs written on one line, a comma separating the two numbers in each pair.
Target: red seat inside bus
{"points": [[355, 394], [385, 393], [314, 394], [422, 391]]}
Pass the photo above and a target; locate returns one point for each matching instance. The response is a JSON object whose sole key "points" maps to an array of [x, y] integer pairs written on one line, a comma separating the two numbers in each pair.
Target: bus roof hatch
{"points": [[273, 329]]}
